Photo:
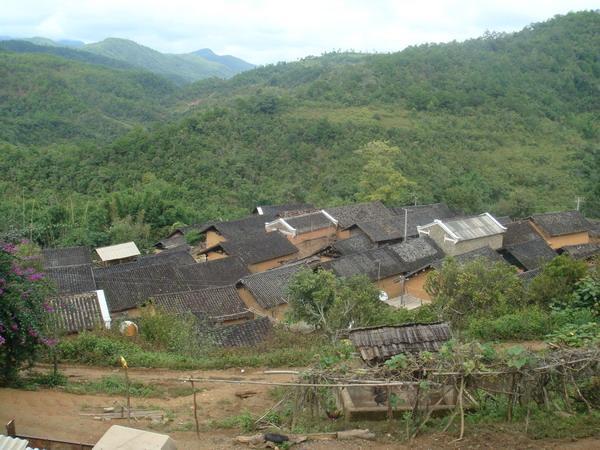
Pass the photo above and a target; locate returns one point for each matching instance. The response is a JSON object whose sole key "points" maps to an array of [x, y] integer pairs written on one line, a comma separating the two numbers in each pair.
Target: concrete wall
{"points": [[560, 241], [276, 313], [329, 232], [450, 248]]}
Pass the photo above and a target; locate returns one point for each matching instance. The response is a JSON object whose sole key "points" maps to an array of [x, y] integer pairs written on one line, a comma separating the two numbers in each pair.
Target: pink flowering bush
{"points": [[23, 311]]}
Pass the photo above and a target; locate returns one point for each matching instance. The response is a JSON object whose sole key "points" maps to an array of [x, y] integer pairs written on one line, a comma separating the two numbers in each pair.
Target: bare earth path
{"points": [[57, 414]]}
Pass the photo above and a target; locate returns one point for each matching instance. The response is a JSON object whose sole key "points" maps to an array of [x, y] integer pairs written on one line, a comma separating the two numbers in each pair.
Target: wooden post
{"points": [[128, 395], [390, 412], [195, 410], [11, 429]]}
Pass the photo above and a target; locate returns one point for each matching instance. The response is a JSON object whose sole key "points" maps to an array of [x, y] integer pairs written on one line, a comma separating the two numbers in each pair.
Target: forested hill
{"points": [[506, 123]]}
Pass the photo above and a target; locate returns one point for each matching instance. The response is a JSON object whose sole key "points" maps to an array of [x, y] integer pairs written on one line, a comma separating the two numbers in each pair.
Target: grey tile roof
{"points": [[529, 275], [217, 304], [259, 247], [384, 229], [269, 288], [417, 253], [473, 227], [66, 256], [131, 287], [377, 263], [245, 334], [486, 254], [219, 272], [174, 241], [77, 312], [383, 342], [561, 223], [349, 215], [310, 222], [519, 232], [174, 258], [422, 215], [582, 251], [354, 244], [72, 279], [531, 254], [240, 228]]}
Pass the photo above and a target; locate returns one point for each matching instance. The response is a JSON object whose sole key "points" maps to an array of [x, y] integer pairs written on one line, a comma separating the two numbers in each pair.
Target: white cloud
{"points": [[264, 31]]}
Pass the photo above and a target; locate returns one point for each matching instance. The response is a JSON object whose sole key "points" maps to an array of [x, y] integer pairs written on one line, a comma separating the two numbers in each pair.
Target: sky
{"points": [[268, 31]]}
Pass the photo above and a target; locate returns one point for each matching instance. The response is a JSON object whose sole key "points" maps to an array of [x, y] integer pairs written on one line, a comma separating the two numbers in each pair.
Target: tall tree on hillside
{"points": [[379, 179]]}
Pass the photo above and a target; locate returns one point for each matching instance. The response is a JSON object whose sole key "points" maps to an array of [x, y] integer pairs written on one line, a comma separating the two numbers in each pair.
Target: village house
{"points": [[80, 312], [418, 215], [260, 252], [117, 254], [586, 252], [265, 293], [127, 289], [214, 305], [560, 229], [381, 265], [66, 256], [459, 236], [217, 232], [220, 272], [244, 334], [308, 232], [485, 255], [349, 215], [529, 255], [417, 257]]}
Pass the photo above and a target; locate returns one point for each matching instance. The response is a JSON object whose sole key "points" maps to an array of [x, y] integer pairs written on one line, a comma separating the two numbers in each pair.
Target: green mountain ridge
{"points": [[506, 123], [123, 53]]}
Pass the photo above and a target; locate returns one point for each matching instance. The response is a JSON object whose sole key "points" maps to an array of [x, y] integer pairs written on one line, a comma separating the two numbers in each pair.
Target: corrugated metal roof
{"points": [[119, 251], [468, 228], [12, 443]]}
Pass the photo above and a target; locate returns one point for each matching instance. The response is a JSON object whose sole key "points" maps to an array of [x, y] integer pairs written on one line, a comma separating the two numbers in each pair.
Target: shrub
{"points": [[528, 323], [555, 285], [23, 311], [475, 289], [172, 332]]}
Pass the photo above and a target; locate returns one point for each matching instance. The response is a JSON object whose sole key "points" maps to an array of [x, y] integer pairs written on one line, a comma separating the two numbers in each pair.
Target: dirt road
{"points": [[57, 414]]}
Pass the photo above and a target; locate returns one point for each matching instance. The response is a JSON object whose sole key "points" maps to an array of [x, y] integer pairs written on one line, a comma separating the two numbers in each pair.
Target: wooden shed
{"points": [[377, 344]]}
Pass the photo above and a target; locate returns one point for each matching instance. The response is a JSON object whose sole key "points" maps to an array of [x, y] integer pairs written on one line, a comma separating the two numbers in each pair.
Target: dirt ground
{"points": [[56, 414]]}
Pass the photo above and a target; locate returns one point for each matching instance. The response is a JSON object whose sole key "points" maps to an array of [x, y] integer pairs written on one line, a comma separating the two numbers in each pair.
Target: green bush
{"points": [[528, 323]]}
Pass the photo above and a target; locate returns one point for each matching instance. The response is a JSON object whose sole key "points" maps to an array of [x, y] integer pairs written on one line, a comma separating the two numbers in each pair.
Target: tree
{"points": [[461, 292], [332, 304], [23, 311], [555, 285], [379, 179]]}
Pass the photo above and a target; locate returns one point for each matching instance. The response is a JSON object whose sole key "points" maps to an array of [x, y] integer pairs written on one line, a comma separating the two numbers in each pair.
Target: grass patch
{"points": [[115, 385], [104, 348]]}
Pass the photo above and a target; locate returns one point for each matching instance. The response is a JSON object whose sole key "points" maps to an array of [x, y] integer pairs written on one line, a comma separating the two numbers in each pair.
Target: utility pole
{"points": [[579, 200], [405, 223]]}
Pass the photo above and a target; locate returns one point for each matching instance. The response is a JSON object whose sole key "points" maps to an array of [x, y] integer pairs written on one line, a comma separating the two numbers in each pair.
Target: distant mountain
{"points": [[71, 43], [123, 53], [178, 68], [23, 46], [235, 64]]}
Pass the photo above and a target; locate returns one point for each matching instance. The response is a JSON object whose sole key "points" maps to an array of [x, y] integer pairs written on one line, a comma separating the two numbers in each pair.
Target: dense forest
{"points": [[93, 154]]}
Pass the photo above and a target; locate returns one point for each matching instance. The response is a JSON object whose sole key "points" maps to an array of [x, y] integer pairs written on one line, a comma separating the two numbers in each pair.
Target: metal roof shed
{"points": [[119, 251]]}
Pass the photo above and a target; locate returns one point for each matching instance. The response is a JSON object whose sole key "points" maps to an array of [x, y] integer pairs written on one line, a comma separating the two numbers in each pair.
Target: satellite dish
{"points": [[383, 296]]}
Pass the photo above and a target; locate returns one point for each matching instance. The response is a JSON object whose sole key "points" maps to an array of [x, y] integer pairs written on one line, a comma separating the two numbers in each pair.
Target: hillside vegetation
{"points": [[506, 123]]}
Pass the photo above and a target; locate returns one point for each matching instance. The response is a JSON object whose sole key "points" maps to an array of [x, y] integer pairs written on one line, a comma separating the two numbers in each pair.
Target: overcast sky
{"points": [[266, 31]]}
